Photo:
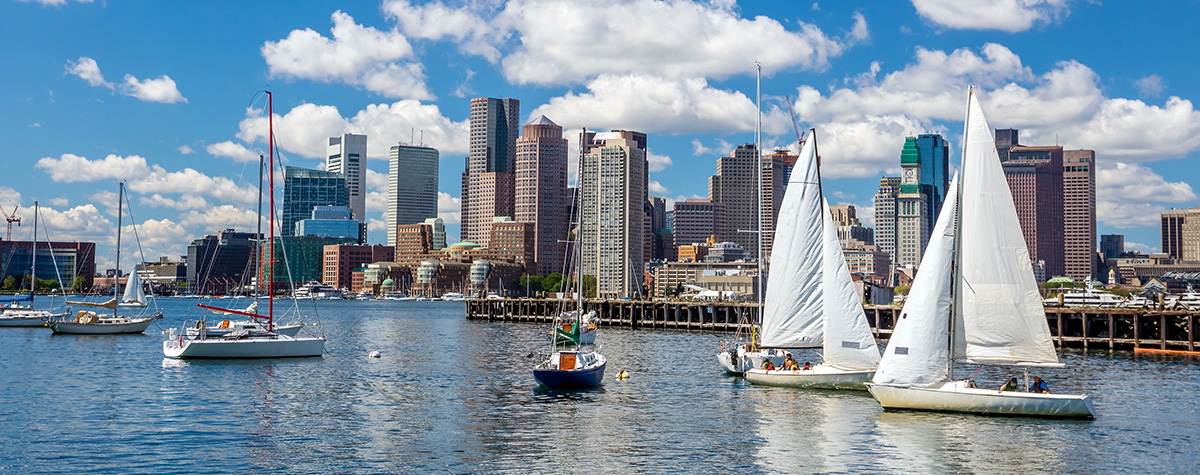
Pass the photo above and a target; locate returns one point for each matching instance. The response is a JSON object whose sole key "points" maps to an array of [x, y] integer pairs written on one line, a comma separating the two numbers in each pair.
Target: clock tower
{"points": [[912, 215]]}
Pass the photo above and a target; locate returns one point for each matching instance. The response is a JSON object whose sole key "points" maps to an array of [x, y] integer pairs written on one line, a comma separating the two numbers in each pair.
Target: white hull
{"points": [[255, 347], [959, 396], [821, 376], [215, 332], [133, 305], [746, 361], [134, 325]]}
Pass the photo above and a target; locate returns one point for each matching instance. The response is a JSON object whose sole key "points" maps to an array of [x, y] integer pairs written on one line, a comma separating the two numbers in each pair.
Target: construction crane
{"points": [[11, 218], [796, 128]]}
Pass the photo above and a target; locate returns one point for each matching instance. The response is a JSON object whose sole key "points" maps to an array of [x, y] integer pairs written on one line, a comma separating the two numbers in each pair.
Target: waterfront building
{"points": [[1079, 214], [220, 262], [345, 155], [924, 162], [437, 228], [658, 227], [1005, 140], [844, 215], [725, 252], [1112, 245], [613, 181], [332, 221], [513, 241], [65, 260], [341, 260], [776, 170], [541, 191], [671, 277], [414, 242], [696, 219], [412, 186], [869, 261], [885, 215], [488, 179], [736, 187], [305, 189], [296, 261], [855, 237], [1035, 178], [163, 272], [380, 277], [1181, 233]]}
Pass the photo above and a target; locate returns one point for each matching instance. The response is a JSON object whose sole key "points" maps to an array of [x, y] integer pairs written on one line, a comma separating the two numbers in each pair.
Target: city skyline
{"points": [[93, 106]]}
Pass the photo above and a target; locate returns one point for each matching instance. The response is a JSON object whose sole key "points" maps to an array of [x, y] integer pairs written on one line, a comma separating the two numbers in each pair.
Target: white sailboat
{"points": [[811, 300], [28, 316], [91, 323], [974, 301], [248, 341], [134, 296], [737, 358]]}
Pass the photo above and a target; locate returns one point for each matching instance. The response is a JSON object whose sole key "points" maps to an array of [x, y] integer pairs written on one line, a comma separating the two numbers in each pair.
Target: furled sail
{"points": [[849, 343], [917, 353], [1001, 309], [110, 304], [793, 312], [18, 298]]}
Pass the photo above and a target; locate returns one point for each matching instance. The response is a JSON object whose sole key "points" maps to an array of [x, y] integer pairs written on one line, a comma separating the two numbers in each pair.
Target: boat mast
{"points": [[33, 267], [956, 267], [117, 274], [258, 234], [271, 241], [579, 234], [758, 166]]}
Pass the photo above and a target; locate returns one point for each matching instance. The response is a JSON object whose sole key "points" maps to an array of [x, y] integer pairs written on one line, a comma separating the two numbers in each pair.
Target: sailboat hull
{"points": [[570, 379], [960, 396], [746, 361], [819, 377], [217, 348], [27, 318], [217, 331], [134, 325]]}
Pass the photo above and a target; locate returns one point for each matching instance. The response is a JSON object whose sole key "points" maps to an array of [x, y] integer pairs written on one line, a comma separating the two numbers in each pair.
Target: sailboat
{"points": [[975, 301], [572, 365], [737, 358], [811, 301], [249, 342], [89, 322], [134, 296], [27, 316]]}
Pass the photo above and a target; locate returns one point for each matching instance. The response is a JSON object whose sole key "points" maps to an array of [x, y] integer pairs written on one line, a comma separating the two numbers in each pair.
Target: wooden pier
{"points": [[1095, 328]]}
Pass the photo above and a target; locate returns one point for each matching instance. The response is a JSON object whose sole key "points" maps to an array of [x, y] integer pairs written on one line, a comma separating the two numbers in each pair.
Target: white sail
{"points": [[1001, 309], [849, 343], [917, 353], [133, 290], [110, 304], [792, 314]]}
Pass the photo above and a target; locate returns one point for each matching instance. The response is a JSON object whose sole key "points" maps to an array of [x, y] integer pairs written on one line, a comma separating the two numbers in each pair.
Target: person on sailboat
{"points": [[1039, 386], [1010, 385], [807, 366], [768, 366], [789, 363]]}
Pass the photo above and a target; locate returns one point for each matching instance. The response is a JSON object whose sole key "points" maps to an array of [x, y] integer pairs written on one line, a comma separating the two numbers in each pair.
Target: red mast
{"points": [[271, 225]]}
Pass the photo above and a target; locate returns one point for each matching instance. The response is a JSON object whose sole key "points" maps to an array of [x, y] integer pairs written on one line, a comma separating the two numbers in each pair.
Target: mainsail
{"points": [[997, 296], [133, 290]]}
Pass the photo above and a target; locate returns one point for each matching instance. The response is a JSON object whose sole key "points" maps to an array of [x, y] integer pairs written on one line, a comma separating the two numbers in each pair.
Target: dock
{"points": [[1091, 328]]}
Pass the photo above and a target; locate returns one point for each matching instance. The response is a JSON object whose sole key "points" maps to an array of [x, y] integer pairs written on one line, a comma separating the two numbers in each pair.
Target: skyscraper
{"points": [[304, 189], [1181, 234], [345, 155], [1112, 245], [489, 180], [1035, 178], [658, 226], [1005, 140], [736, 187], [412, 187], [541, 191], [1079, 213], [935, 171], [438, 234], [885, 215], [697, 219], [777, 170], [613, 192], [220, 261]]}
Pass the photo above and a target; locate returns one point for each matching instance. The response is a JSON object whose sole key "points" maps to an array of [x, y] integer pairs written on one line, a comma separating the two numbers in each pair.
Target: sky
{"points": [[165, 96]]}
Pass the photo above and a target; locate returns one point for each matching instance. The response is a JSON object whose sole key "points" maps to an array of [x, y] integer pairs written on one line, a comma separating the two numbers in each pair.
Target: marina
{"points": [[454, 395]]}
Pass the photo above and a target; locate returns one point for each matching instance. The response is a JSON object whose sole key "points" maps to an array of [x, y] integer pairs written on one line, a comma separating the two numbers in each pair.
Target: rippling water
{"points": [[456, 396]]}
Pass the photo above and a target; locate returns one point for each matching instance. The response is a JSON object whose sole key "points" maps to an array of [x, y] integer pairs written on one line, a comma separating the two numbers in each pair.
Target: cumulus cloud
{"points": [[435, 21], [216, 218], [228, 149], [1005, 15], [378, 61], [185, 202], [1132, 195], [1150, 86], [155, 236], [143, 178], [161, 89], [657, 163], [87, 69], [59, 201], [185, 150], [657, 188], [449, 208], [70, 168]]}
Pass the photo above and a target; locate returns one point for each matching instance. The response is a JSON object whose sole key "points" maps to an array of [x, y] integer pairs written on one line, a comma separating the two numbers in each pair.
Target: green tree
{"points": [[902, 289], [77, 285], [531, 284], [553, 282], [589, 286], [46, 285], [10, 283]]}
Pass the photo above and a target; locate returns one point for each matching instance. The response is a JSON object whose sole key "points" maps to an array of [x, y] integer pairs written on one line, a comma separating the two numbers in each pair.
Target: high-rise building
{"points": [[885, 215], [777, 171], [296, 260], [346, 155], [438, 228], [1005, 140], [935, 171], [332, 221], [1112, 245], [844, 215], [736, 187], [412, 186], [1035, 178], [697, 219], [613, 195], [489, 180], [658, 226], [305, 189], [541, 191], [220, 262], [65, 260], [1181, 234], [913, 204], [1079, 213]]}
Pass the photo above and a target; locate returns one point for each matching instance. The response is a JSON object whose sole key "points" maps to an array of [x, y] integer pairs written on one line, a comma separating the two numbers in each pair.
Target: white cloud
{"points": [[435, 21], [156, 237], [861, 149], [698, 148], [1131, 195], [657, 188], [161, 89], [70, 168], [449, 208], [1128, 215], [185, 150], [355, 55], [376, 181], [1005, 15], [1151, 86], [185, 202], [307, 127], [859, 33], [221, 217], [1143, 248], [672, 39], [236, 151], [87, 69], [142, 178], [657, 163]]}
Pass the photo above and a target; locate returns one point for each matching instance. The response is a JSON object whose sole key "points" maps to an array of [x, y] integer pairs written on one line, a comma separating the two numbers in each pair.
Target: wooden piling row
{"points": [[1092, 328]]}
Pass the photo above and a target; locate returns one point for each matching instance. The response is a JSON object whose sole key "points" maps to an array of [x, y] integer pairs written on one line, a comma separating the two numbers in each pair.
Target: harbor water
{"points": [[451, 395]]}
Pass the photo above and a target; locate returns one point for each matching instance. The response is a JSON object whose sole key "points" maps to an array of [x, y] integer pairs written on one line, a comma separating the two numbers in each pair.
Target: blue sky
{"points": [[160, 94]]}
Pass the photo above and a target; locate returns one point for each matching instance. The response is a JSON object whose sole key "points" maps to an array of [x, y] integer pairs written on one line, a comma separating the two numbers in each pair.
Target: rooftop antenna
{"points": [[412, 135], [422, 138]]}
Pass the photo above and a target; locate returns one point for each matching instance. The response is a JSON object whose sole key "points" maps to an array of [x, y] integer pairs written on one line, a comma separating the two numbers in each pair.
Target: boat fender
{"points": [[623, 375], [373, 354]]}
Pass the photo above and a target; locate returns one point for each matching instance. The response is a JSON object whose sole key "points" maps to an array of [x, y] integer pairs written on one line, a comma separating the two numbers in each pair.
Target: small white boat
{"points": [[1089, 297], [452, 297], [89, 323], [17, 315], [133, 297], [822, 376], [975, 301], [739, 359]]}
